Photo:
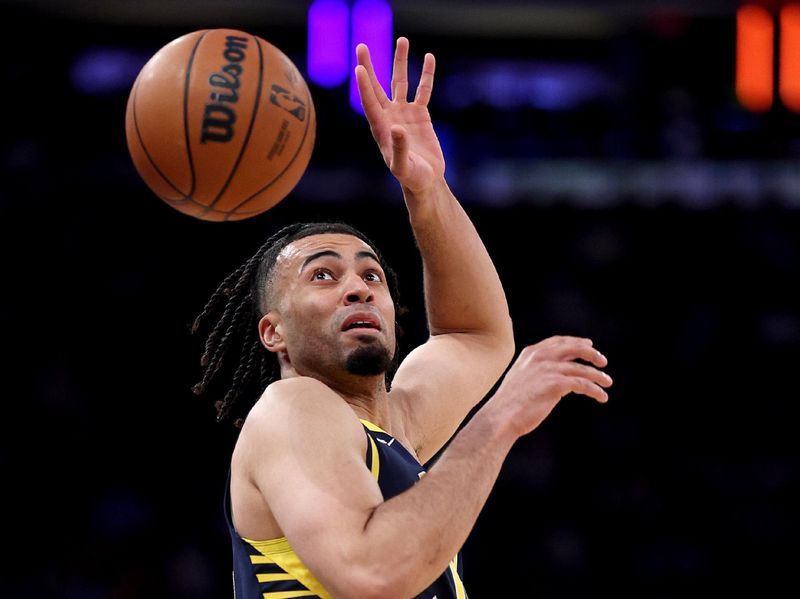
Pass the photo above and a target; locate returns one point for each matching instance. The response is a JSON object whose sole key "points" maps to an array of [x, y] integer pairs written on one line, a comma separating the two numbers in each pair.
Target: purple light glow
{"points": [[100, 71], [328, 57], [371, 24]]}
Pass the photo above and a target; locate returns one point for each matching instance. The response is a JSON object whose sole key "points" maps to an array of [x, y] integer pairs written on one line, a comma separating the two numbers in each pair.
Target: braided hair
{"points": [[233, 350]]}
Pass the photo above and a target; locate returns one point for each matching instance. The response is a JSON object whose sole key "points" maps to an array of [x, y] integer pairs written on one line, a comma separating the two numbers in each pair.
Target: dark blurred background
{"points": [[626, 195]]}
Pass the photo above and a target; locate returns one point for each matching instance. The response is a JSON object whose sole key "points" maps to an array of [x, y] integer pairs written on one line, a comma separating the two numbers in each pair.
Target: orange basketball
{"points": [[220, 124]]}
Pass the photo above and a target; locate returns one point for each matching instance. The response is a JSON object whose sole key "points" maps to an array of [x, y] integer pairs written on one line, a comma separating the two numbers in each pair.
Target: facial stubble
{"points": [[368, 359]]}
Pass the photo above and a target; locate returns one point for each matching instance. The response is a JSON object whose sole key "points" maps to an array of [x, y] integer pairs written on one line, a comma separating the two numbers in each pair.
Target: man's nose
{"points": [[357, 290]]}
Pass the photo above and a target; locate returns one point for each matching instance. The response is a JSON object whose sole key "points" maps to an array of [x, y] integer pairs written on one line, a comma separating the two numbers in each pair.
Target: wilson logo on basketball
{"points": [[219, 115]]}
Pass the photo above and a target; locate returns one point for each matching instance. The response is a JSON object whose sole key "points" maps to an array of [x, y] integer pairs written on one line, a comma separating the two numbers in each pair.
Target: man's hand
{"points": [[544, 373], [403, 129]]}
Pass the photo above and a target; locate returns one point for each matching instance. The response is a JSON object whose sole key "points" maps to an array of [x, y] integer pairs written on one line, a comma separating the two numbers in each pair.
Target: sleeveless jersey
{"points": [[272, 570]]}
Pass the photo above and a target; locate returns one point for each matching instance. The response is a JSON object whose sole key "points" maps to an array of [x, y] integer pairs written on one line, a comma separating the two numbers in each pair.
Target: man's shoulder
{"points": [[288, 394], [302, 387], [298, 406]]}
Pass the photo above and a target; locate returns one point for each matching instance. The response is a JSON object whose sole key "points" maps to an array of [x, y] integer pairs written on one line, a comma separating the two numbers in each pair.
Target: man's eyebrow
{"points": [[367, 254], [316, 255], [359, 255]]}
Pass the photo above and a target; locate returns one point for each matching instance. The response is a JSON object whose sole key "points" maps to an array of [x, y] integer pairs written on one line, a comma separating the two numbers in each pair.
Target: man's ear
{"points": [[269, 332]]}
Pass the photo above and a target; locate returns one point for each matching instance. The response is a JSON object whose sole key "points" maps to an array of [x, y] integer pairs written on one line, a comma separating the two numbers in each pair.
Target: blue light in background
{"points": [[328, 54], [99, 71], [544, 85], [371, 23]]}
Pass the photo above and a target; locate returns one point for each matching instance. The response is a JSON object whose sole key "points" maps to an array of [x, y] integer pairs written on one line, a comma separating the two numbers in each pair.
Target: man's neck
{"points": [[373, 407], [367, 395]]}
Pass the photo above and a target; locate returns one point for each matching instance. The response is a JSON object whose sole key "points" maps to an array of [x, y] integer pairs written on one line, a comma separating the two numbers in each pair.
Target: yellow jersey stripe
{"points": [[261, 559], [373, 427], [273, 577], [287, 594], [375, 468], [461, 593], [279, 551]]}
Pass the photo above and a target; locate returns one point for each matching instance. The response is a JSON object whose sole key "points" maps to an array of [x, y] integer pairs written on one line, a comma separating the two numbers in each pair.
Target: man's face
{"points": [[332, 306]]}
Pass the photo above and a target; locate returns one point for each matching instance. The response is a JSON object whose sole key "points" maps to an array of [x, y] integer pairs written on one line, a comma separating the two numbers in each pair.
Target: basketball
{"points": [[220, 124]]}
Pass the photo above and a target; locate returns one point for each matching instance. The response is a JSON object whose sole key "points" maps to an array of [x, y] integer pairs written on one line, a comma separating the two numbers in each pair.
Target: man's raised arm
{"points": [[471, 333]]}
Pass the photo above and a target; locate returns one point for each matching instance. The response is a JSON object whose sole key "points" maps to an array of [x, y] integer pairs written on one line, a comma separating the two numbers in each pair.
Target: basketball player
{"points": [[327, 495]]}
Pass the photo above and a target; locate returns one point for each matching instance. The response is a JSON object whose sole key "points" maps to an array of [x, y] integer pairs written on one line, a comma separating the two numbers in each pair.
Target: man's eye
{"points": [[373, 277], [322, 275]]}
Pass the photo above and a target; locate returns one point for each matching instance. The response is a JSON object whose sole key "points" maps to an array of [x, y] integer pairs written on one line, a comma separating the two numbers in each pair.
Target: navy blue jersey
{"points": [[272, 570]]}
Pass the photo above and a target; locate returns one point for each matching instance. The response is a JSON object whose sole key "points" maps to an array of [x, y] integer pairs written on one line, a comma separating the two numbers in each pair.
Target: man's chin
{"points": [[369, 359]]}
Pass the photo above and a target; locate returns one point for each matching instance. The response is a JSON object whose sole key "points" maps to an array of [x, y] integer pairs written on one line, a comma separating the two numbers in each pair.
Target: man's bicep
{"points": [[440, 382]]}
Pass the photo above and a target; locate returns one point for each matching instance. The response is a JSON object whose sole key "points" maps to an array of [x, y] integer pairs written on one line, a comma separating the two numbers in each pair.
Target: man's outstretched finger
{"points": [[589, 373], [371, 104], [588, 388], [587, 354], [571, 348], [400, 71], [364, 59], [425, 86]]}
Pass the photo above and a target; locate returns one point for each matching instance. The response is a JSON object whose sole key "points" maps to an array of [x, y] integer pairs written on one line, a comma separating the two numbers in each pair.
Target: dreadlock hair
{"points": [[233, 350]]}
